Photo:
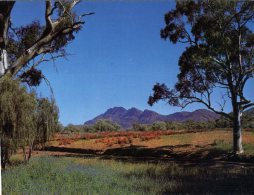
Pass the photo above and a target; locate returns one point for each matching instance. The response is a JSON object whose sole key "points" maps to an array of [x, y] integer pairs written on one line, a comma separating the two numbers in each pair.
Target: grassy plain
{"points": [[65, 175], [172, 163]]}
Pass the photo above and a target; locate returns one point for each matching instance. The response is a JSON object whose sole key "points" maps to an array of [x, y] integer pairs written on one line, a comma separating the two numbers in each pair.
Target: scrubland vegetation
{"points": [[108, 125], [135, 162], [102, 158], [159, 158]]}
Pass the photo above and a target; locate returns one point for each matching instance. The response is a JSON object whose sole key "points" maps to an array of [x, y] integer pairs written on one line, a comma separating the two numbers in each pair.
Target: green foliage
{"points": [[60, 127], [88, 128], [217, 34], [22, 39], [248, 118], [222, 145], [106, 125], [73, 128], [159, 125], [223, 123], [46, 120], [174, 125], [44, 41], [219, 54], [251, 124], [99, 126], [140, 127], [17, 114], [171, 125], [24, 119]]}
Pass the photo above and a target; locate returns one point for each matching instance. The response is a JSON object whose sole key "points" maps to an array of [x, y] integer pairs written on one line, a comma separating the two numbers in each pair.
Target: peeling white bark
{"points": [[237, 134], [3, 62]]}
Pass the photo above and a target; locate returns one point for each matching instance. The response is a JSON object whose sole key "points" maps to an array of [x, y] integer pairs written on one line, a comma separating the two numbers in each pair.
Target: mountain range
{"points": [[250, 112], [127, 117]]}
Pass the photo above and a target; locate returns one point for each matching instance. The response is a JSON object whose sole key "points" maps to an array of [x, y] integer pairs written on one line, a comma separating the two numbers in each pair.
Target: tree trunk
{"points": [[24, 155], [3, 62], [30, 151], [27, 153], [237, 133], [5, 11], [4, 155]]}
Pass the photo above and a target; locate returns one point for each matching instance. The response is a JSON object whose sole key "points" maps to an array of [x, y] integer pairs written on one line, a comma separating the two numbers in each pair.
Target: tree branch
{"points": [[51, 32], [209, 106], [248, 106]]}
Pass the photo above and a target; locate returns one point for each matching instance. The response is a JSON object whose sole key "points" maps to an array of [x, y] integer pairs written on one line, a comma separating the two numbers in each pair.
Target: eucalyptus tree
{"points": [[219, 54]]}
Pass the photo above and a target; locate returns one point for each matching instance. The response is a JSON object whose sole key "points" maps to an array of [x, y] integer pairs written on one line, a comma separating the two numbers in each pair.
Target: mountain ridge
{"points": [[127, 117], [250, 111]]}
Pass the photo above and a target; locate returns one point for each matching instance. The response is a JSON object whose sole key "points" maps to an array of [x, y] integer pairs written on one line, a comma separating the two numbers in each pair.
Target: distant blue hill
{"points": [[126, 118]]}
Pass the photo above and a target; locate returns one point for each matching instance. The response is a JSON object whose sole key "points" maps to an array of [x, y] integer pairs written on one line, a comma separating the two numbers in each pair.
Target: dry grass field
{"points": [[155, 145]]}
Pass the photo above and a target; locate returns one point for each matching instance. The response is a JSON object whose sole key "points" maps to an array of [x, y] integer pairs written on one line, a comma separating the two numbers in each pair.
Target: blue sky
{"points": [[115, 60]]}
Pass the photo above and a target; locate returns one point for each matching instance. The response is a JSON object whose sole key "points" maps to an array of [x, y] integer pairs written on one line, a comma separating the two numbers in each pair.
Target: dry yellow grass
{"points": [[193, 140]]}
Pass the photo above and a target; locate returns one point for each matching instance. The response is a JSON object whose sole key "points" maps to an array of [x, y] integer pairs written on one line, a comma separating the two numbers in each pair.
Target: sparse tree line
{"points": [[189, 125], [100, 126], [107, 125], [26, 121]]}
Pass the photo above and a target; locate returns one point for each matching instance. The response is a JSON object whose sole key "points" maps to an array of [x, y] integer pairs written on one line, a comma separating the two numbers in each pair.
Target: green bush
{"points": [[140, 127], [73, 128], [99, 126], [106, 125], [159, 125], [88, 128]]}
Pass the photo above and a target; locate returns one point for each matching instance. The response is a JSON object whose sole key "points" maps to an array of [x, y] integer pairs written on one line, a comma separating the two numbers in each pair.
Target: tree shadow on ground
{"points": [[72, 152], [205, 170], [201, 156], [201, 180]]}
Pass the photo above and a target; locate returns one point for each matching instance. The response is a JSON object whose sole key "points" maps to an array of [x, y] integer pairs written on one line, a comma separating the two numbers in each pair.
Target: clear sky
{"points": [[115, 59]]}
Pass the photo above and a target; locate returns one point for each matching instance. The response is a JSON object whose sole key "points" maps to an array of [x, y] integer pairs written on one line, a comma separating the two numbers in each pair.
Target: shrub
{"points": [[140, 127], [106, 125], [73, 128], [159, 125]]}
